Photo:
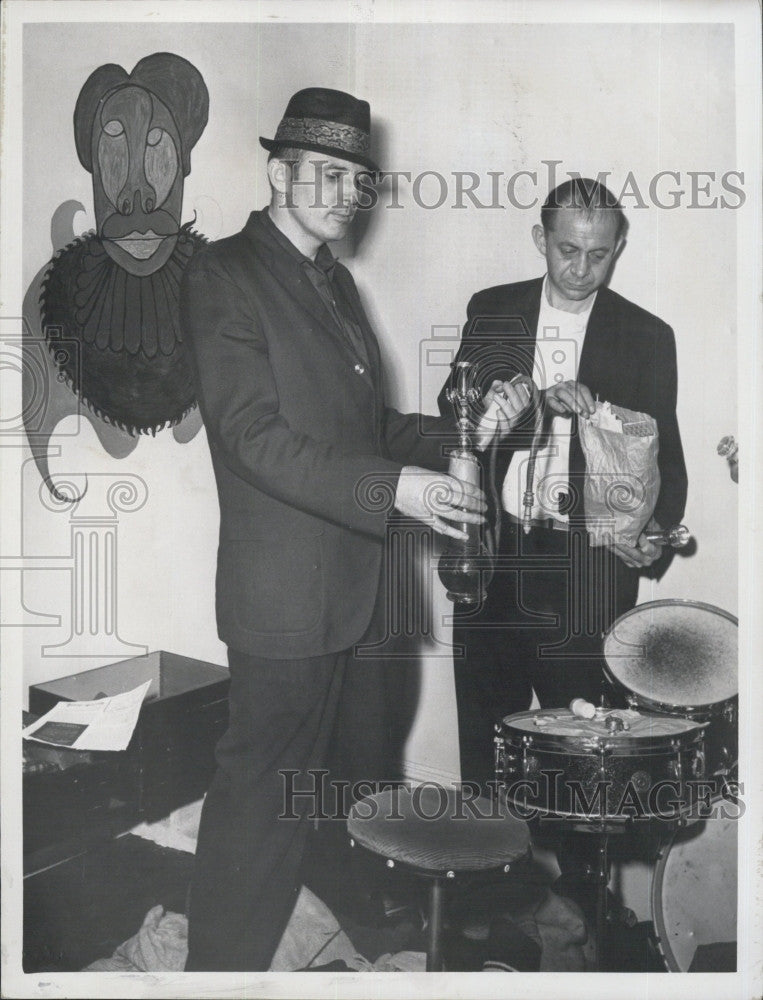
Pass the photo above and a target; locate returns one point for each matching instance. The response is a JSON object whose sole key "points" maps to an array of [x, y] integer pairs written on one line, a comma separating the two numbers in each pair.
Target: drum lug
{"points": [[499, 748], [676, 768], [698, 764], [725, 763]]}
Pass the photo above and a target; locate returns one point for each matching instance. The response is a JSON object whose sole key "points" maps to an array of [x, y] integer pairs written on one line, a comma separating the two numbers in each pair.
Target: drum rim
{"points": [[663, 939], [607, 742], [669, 708], [626, 746], [665, 602]]}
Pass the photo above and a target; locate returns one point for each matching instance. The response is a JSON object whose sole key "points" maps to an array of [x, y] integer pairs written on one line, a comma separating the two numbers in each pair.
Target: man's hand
{"points": [[512, 399], [436, 498], [570, 398], [505, 402], [643, 554]]}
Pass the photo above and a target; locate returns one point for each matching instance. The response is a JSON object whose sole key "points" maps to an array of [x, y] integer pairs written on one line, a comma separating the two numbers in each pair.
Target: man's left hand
{"points": [[638, 556]]}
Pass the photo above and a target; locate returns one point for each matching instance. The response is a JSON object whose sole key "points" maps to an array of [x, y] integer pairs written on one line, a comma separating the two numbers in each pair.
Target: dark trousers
{"points": [[325, 712], [551, 599]]}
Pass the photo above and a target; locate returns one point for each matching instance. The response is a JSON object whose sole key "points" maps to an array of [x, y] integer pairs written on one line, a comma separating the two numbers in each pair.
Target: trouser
{"points": [[551, 598], [287, 718]]}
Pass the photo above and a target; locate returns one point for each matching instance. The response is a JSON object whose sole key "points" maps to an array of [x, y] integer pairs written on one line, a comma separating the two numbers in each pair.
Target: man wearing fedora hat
{"points": [[289, 383]]}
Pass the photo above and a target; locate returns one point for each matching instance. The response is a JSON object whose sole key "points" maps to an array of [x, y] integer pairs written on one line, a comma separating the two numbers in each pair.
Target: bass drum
{"points": [[694, 896]]}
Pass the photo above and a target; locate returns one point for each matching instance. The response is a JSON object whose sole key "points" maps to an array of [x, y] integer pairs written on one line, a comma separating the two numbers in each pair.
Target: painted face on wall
{"points": [[137, 179]]}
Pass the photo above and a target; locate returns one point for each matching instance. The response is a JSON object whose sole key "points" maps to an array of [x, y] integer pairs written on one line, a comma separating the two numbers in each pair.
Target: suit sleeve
{"points": [[238, 398], [443, 404], [416, 439], [663, 373]]}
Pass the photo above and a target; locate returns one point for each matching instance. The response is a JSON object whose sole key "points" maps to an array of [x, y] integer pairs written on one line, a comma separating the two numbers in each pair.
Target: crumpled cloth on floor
{"points": [[401, 961], [161, 945], [312, 937], [558, 925]]}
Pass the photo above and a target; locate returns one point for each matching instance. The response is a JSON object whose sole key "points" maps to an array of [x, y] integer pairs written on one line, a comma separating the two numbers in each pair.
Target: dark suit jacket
{"points": [[628, 358], [305, 452]]}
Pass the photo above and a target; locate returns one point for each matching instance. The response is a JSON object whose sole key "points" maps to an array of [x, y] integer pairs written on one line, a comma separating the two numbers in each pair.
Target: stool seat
{"points": [[438, 830]]}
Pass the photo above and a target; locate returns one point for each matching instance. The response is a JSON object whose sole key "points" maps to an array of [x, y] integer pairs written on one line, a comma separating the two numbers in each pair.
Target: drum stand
{"points": [[596, 871], [601, 877]]}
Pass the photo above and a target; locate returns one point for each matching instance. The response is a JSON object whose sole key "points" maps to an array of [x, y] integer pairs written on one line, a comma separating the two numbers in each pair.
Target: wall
{"points": [[498, 97]]}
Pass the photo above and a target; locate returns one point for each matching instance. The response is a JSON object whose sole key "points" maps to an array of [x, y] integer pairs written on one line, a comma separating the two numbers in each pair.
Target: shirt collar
{"points": [[324, 259], [581, 316]]}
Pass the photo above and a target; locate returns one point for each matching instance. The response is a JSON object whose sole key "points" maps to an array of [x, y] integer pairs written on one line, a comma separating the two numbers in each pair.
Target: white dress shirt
{"points": [[558, 345]]}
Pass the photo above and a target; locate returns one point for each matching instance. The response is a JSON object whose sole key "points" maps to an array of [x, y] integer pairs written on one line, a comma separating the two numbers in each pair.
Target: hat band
{"points": [[323, 133]]}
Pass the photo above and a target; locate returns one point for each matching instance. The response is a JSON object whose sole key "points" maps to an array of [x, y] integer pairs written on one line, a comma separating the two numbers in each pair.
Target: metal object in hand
{"points": [[676, 537]]}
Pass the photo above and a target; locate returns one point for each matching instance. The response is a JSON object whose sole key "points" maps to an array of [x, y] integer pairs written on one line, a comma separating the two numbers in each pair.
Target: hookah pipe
{"points": [[466, 566], [528, 497]]}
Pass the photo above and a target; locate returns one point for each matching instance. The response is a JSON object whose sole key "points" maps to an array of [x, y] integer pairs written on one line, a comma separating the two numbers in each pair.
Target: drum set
{"points": [[668, 760]]}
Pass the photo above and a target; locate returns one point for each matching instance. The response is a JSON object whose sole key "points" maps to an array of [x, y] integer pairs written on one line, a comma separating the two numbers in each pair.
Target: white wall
{"points": [[497, 97]]}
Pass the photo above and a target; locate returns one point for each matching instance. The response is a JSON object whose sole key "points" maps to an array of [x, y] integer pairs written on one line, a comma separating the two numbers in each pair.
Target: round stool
{"points": [[438, 833]]}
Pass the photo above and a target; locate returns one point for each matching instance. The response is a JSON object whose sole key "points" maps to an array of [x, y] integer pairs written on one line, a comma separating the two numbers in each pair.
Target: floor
{"points": [[83, 909]]}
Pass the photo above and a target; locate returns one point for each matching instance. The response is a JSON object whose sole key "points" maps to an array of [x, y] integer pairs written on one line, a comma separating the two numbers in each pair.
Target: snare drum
{"points": [[694, 896], [679, 658], [592, 769]]}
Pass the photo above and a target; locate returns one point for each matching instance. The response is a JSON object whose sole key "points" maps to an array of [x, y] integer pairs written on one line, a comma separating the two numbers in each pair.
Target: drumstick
{"points": [[582, 709]]}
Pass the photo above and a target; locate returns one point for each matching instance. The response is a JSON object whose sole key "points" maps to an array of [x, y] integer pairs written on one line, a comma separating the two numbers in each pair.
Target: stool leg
{"points": [[434, 937]]}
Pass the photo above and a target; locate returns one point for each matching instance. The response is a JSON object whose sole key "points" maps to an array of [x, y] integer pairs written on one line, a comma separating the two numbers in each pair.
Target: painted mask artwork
{"points": [[114, 292]]}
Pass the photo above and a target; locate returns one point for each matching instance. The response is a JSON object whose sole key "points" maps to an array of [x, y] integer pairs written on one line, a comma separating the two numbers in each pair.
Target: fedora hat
{"points": [[326, 121]]}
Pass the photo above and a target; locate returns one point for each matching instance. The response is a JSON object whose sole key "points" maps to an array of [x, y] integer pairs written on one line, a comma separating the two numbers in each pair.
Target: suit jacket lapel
{"points": [[373, 375], [344, 279], [295, 281], [529, 307], [526, 305], [601, 340], [601, 349]]}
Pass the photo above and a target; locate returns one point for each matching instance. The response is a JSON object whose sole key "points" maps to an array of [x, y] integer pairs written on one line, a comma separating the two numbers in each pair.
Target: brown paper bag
{"points": [[622, 480]]}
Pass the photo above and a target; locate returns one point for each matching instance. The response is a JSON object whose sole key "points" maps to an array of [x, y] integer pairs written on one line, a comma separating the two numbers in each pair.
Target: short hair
{"points": [[289, 153], [587, 196]]}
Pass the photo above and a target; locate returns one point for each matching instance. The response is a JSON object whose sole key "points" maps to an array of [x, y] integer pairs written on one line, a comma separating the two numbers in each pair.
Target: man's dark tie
{"points": [[321, 272]]}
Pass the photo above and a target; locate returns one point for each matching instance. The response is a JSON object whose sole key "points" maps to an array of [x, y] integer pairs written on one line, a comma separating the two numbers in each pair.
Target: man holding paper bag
{"points": [[605, 460]]}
